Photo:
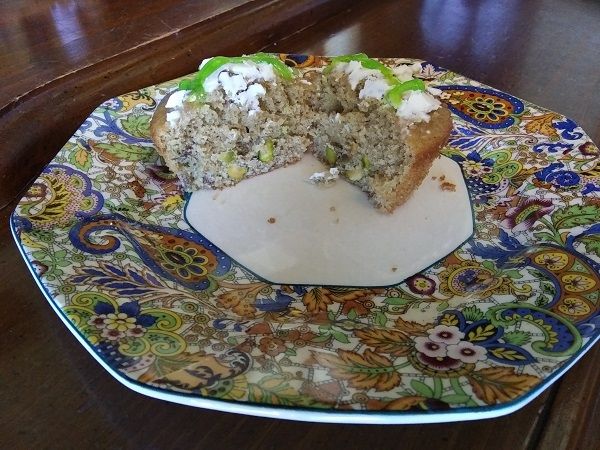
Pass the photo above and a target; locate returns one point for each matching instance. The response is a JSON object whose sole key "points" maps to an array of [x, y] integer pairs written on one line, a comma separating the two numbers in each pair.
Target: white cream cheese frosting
{"points": [[416, 105], [174, 104], [239, 82]]}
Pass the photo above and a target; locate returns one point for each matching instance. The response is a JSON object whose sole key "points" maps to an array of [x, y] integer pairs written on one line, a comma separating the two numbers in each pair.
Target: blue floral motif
{"points": [[131, 309], [589, 188], [467, 277], [466, 136], [550, 147], [280, 303], [123, 322], [566, 128], [590, 328], [474, 157], [124, 282], [555, 175], [20, 224], [508, 249], [222, 324], [111, 126]]}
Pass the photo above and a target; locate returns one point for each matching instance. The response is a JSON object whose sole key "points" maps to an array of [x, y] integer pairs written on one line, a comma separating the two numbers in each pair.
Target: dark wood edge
{"points": [[34, 128], [573, 424]]}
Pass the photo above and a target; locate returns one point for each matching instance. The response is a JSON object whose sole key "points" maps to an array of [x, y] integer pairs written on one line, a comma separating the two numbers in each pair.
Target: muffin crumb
{"points": [[447, 186]]}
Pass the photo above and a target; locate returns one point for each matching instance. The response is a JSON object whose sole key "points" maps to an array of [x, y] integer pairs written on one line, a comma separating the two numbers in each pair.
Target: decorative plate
{"points": [[479, 333]]}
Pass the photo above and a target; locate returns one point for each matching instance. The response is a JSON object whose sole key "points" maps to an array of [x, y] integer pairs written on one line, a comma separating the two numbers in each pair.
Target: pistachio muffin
{"points": [[243, 116]]}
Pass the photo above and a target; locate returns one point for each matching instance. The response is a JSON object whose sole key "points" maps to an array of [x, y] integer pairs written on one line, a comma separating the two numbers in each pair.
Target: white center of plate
{"points": [[289, 231]]}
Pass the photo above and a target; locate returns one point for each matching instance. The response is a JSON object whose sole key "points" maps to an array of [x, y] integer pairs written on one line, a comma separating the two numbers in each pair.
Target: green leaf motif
{"points": [[128, 152], [39, 255], [443, 306], [544, 236], [504, 171], [137, 125], [421, 388], [513, 273], [576, 215], [548, 287], [447, 76], [80, 158], [473, 313], [380, 319], [541, 301], [398, 301], [591, 244], [517, 337], [339, 336], [290, 352], [489, 265]]}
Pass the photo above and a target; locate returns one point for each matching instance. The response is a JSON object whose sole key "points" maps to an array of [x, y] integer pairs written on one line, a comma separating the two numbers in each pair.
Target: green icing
{"points": [[394, 95], [196, 84], [366, 62]]}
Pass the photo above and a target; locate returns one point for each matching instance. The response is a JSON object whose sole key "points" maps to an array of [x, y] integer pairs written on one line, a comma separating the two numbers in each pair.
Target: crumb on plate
{"points": [[447, 186]]}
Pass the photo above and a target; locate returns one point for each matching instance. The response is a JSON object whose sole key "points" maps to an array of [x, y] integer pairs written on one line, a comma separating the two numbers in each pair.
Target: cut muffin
{"points": [[243, 122], [240, 117]]}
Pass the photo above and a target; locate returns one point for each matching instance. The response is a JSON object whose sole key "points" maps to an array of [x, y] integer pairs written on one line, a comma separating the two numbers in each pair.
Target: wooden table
{"points": [[58, 60]]}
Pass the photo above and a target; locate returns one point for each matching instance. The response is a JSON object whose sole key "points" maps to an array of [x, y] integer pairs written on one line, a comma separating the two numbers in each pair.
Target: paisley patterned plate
{"points": [[478, 334]]}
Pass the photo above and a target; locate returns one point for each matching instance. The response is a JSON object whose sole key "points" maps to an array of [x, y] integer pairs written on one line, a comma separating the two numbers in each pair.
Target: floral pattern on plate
{"points": [[489, 325]]}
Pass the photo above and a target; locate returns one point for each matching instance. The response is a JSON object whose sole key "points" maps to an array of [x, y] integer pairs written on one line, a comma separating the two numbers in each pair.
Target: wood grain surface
{"points": [[60, 59]]}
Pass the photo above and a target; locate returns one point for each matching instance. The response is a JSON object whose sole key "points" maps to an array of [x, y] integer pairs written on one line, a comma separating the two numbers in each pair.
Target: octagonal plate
{"points": [[479, 333]]}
